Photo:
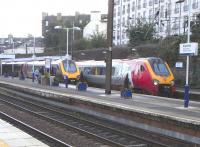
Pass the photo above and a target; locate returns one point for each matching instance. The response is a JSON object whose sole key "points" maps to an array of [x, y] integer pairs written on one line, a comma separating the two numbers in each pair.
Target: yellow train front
{"points": [[69, 68]]}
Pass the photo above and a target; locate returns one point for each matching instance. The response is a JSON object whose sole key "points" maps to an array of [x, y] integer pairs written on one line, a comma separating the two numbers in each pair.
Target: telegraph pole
{"points": [[108, 78]]}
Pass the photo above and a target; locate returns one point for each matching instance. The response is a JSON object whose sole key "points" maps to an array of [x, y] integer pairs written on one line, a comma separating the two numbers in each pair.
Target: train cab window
{"points": [[160, 68], [142, 69], [69, 66]]}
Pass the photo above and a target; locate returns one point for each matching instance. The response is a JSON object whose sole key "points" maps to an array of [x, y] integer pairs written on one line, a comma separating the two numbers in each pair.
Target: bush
{"points": [[46, 75], [59, 77]]}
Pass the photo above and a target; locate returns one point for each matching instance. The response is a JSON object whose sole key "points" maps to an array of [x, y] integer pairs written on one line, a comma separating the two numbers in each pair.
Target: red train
{"points": [[147, 75], [152, 75]]}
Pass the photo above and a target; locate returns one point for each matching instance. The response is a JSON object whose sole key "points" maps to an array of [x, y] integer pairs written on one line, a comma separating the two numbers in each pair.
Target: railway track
{"points": [[103, 134], [52, 141]]}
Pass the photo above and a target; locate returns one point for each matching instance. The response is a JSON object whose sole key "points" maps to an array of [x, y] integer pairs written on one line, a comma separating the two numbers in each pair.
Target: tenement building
{"points": [[169, 17]]}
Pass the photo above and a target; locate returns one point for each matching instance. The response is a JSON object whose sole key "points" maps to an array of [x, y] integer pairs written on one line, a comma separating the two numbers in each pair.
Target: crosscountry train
{"points": [[147, 75], [65, 66]]}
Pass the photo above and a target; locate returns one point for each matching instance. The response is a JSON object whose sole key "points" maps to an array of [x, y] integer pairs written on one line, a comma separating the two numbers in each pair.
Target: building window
{"points": [[128, 21], [128, 8], [114, 13], [195, 4], [118, 34], [132, 19], [46, 23], [150, 3], [114, 24], [123, 11], [144, 5], [139, 4], [185, 7], [97, 28], [117, 2], [144, 15], [123, 22], [119, 22], [150, 14], [161, 28], [118, 13], [185, 22], [162, 11], [133, 6], [139, 15], [177, 6]]}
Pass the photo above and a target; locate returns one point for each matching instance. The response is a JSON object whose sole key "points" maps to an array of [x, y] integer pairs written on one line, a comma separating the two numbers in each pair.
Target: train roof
{"points": [[95, 63], [35, 59]]}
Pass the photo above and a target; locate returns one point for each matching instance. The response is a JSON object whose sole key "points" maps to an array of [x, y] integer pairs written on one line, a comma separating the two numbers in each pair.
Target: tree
{"points": [[82, 44], [169, 48], [141, 33], [98, 40], [195, 37]]}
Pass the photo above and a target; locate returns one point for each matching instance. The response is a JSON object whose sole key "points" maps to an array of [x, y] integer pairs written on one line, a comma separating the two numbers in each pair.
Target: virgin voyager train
{"points": [[148, 75]]}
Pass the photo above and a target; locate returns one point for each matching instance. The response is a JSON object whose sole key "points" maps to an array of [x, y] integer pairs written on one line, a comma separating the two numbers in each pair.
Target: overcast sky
{"points": [[22, 17]]}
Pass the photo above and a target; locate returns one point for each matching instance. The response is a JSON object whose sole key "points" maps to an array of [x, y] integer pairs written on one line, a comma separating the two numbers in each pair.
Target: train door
{"points": [[117, 78], [144, 78], [141, 76], [135, 74]]}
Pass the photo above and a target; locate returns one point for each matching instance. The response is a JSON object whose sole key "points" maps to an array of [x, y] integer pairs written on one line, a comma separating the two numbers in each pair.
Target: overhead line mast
{"points": [[110, 44]]}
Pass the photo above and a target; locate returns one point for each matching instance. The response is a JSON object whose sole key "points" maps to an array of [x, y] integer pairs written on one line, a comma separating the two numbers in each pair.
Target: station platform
{"points": [[166, 116], [11, 136]]}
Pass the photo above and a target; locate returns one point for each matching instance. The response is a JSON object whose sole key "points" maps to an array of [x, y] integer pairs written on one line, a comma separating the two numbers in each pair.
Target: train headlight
{"points": [[172, 83], [155, 82]]}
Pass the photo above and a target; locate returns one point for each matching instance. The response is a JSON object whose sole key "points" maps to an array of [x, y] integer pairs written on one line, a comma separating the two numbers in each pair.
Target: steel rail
{"points": [[38, 133], [102, 126]]}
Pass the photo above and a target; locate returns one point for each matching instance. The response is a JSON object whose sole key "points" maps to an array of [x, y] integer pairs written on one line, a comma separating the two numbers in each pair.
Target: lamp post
{"points": [[13, 51], [33, 68], [179, 2], [67, 30], [186, 93]]}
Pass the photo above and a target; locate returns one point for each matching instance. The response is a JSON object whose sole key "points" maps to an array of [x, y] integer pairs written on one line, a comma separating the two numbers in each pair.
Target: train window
{"points": [[87, 70], [113, 71], [69, 66], [160, 69], [142, 69], [101, 70]]}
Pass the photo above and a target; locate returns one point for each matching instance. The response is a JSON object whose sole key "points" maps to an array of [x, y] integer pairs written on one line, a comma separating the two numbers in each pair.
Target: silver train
{"points": [[94, 72]]}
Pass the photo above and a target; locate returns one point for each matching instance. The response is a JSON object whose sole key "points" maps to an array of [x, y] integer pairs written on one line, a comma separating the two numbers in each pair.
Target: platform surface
{"points": [[169, 107], [11, 136]]}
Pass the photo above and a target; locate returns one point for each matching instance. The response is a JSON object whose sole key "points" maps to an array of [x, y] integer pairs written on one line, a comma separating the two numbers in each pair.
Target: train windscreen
{"points": [[159, 67], [69, 66]]}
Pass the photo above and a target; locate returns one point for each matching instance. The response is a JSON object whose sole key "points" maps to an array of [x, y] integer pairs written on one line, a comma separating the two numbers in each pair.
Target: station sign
{"points": [[47, 63], [179, 65], [7, 56], [190, 49]]}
